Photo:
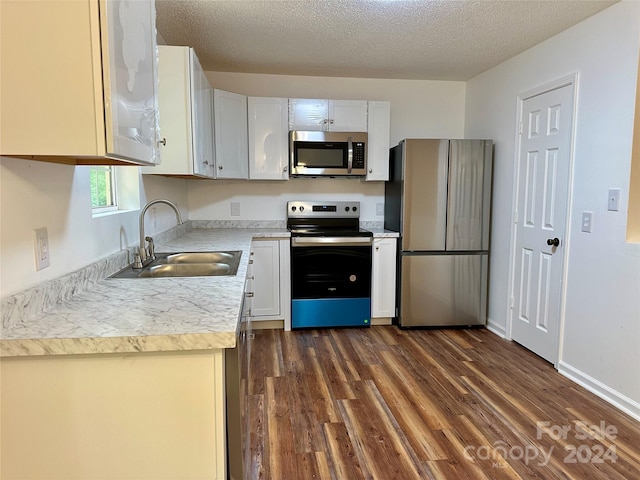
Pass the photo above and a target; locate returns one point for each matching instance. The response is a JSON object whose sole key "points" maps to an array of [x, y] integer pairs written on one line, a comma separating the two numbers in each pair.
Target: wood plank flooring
{"points": [[385, 403]]}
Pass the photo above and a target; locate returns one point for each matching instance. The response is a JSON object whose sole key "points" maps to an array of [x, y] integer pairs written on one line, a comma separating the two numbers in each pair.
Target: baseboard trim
{"points": [[381, 321], [615, 398], [267, 324], [497, 329]]}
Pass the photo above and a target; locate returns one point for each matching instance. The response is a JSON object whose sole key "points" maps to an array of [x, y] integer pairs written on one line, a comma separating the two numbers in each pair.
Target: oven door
{"points": [[330, 282]]}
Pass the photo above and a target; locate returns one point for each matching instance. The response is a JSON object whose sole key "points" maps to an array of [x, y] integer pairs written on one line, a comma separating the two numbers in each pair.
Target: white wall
{"points": [[39, 194], [601, 340], [418, 109]]}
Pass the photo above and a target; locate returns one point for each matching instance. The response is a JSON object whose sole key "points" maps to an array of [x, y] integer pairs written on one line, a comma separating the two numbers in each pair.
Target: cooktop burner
{"points": [[325, 219]]}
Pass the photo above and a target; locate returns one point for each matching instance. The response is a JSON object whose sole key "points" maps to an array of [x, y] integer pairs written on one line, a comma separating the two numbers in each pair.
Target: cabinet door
{"points": [[202, 112], [266, 278], [230, 127], [347, 116], [175, 105], [308, 114], [383, 278], [130, 79], [378, 147], [268, 138]]}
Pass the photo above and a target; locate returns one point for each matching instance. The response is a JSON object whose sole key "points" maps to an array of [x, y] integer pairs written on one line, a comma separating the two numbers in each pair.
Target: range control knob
{"points": [[293, 208], [346, 209], [355, 209], [301, 208]]}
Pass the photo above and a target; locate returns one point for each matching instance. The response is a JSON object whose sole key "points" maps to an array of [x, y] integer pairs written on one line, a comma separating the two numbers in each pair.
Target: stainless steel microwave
{"points": [[330, 154]]}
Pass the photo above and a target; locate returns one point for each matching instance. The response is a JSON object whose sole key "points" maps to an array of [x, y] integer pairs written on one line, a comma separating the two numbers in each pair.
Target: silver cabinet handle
{"points": [[249, 294], [219, 167], [163, 142], [331, 121]]}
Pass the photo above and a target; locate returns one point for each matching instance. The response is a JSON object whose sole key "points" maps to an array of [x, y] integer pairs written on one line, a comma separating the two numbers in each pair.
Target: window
{"points": [[102, 181], [113, 190]]}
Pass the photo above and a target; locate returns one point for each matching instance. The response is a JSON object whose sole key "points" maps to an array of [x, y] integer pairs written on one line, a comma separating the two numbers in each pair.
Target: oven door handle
{"points": [[332, 241], [349, 155]]}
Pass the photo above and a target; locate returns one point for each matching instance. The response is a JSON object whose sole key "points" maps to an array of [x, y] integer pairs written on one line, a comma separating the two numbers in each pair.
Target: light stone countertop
{"points": [[148, 315], [141, 315]]}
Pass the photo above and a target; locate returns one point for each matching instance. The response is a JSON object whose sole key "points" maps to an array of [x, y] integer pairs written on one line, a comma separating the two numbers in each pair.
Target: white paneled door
{"points": [[543, 185]]}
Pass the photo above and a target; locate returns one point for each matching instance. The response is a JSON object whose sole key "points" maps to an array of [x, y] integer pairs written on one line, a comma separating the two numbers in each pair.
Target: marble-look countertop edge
{"points": [[108, 345]]}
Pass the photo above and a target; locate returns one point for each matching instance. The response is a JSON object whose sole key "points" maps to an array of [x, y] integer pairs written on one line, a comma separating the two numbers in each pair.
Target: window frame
{"points": [[113, 190]]}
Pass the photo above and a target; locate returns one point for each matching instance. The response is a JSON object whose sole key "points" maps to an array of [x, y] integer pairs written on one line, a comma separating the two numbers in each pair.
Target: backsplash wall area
{"points": [[40, 194], [263, 200]]}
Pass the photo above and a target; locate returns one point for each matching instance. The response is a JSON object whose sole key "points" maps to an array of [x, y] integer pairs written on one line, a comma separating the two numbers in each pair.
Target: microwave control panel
{"points": [[358, 155]]}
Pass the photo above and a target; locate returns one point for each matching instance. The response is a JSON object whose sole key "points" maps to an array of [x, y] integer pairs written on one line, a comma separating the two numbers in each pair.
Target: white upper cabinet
{"points": [[328, 115], [268, 138], [186, 115], [202, 95], [231, 142], [378, 138], [79, 81]]}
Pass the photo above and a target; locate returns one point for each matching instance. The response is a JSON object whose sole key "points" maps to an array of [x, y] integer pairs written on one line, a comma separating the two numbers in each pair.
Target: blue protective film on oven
{"points": [[331, 312]]}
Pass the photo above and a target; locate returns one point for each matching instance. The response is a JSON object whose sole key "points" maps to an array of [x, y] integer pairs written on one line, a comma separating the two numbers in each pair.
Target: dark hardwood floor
{"points": [[384, 403]]}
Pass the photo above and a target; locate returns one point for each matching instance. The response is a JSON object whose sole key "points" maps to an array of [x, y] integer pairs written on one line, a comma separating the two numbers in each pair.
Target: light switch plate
{"points": [[613, 204], [41, 247], [235, 209]]}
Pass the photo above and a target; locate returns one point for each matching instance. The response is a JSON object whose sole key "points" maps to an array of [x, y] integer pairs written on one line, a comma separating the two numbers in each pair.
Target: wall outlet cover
{"points": [[587, 220], [41, 248], [613, 203]]}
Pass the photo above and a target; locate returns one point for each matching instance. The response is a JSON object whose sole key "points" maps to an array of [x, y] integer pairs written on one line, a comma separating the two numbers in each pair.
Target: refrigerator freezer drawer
{"points": [[443, 290]]}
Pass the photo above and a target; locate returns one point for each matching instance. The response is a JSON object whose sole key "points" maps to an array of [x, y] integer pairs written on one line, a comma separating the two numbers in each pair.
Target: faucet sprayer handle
{"points": [[151, 248]]}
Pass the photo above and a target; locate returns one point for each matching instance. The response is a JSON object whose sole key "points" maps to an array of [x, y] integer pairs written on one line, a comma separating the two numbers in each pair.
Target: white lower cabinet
{"points": [[269, 281], [383, 278]]}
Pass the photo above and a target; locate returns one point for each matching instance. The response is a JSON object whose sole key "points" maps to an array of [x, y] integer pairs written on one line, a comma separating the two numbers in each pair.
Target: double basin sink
{"points": [[186, 264]]}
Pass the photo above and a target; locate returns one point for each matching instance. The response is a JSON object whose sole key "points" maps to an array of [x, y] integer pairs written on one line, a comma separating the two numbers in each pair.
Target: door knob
{"points": [[553, 241]]}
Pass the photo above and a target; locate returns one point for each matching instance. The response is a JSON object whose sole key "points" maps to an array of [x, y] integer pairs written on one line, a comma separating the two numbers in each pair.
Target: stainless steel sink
{"points": [[201, 257], [186, 264], [186, 270]]}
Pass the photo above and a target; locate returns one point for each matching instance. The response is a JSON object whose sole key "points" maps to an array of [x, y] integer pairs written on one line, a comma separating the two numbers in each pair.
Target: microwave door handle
{"points": [[349, 154]]}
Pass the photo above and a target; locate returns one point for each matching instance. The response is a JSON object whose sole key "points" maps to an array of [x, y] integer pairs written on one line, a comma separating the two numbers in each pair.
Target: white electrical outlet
{"points": [[380, 209], [41, 247], [613, 203], [235, 209], [587, 219]]}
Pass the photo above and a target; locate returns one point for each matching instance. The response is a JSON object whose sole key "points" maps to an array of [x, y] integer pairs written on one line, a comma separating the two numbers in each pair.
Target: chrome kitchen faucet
{"points": [[147, 255]]}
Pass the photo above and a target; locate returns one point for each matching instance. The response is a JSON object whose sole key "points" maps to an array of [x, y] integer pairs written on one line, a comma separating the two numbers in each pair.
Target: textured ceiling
{"points": [[437, 40]]}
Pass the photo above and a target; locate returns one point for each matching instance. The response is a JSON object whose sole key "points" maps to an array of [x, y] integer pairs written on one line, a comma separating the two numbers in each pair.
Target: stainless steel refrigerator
{"points": [[439, 198]]}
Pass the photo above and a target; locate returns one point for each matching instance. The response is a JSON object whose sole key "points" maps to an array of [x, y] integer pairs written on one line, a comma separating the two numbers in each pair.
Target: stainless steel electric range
{"points": [[330, 265]]}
